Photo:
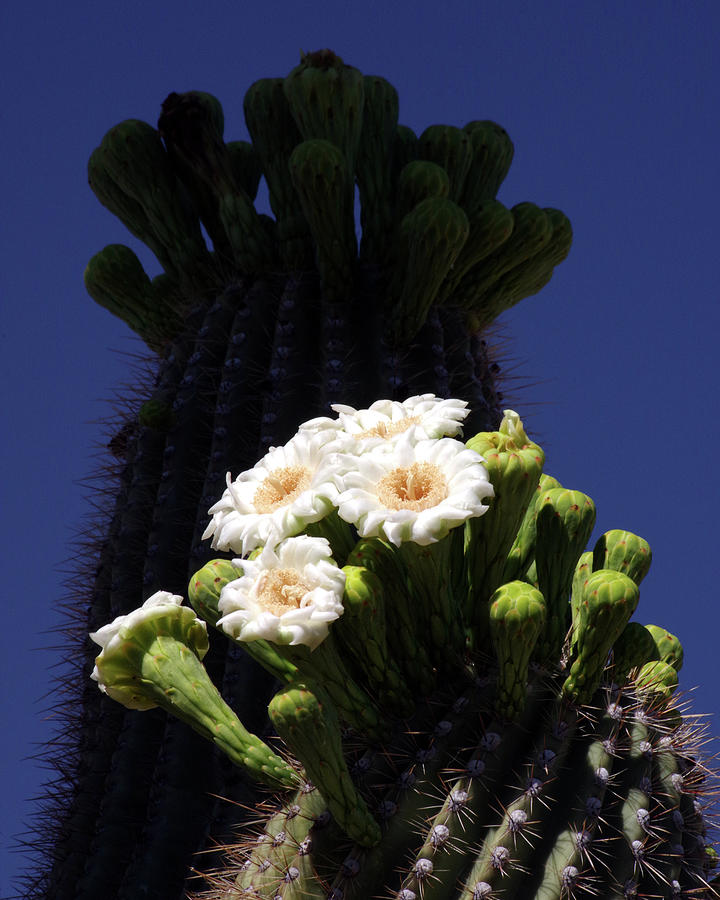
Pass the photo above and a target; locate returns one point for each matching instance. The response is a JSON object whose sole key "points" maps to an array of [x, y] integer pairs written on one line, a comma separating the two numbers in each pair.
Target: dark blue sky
{"points": [[613, 109]]}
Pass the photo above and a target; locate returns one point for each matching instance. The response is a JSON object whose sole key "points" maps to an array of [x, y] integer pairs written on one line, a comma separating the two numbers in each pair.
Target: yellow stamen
{"points": [[280, 488], [388, 429], [416, 487], [280, 590]]}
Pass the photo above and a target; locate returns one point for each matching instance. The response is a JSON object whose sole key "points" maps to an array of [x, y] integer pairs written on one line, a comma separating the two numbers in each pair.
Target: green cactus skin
{"points": [[431, 236], [419, 180], [668, 647], [326, 99], [116, 280], [517, 619], [631, 650], [321, 176], [275, 135], [564, 522], [492, 153], [608, 600], [158, 664], [306, 720], [374, 166], [624, 552], [514, 465], [362, 632], [468, 802], [451, 148]]}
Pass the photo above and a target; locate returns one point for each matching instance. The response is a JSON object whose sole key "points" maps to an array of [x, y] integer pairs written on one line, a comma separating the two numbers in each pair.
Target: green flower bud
{"points": [[657, 680], [669, 648], [565, 521], [517, 618], [623, 551], [306, 720], [631, 650], [514, 465], [608, 601]]}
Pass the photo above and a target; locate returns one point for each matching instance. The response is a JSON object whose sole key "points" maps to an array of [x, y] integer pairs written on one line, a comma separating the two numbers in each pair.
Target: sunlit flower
{"points": [[288, 489], [413, 491], [512, 427], [289, 594], [386, 420], [114, 637]]}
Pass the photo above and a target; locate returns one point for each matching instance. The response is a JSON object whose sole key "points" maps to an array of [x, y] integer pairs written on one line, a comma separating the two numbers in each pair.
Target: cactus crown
{"points": [[433, 234]]}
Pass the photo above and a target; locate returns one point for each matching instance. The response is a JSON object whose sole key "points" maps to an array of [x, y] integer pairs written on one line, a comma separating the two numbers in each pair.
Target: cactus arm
{"points": [[374, 164]]}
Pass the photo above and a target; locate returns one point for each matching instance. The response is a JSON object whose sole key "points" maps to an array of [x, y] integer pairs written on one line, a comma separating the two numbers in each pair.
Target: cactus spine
{"points": [[280, 319]]}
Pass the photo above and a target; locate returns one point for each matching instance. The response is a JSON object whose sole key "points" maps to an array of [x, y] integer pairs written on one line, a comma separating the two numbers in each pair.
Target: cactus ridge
{"points": [[447, 833]]}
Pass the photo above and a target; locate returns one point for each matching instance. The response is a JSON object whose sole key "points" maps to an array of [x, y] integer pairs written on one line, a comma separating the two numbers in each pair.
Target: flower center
{"points": [[416, 487], [280, 488], [388, 429], [280, 590]]}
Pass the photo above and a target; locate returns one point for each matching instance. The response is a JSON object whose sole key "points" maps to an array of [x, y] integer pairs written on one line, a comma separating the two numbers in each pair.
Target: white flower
{"points": [[512, 427], [386, 420], [413, 491], [289, 594], [288, 489], [112, 632], [111, 637]]}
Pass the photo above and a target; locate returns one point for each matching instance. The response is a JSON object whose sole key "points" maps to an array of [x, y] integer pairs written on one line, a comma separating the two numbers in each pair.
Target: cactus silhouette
{"points": [[483, 720]]}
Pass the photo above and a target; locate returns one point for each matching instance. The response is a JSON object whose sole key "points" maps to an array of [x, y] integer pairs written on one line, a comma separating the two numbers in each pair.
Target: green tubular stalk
{"points": [[492, 153], [412, 657], [374, 165], [450, 148], [275, 135], [564, 522], [522, 551], [419, 180], [431, 236], [362, 632], [623, 551], [326, 99], [306, 720], [517, 618], [531, 231], [514, 465], [321, 175], [443, 766]]}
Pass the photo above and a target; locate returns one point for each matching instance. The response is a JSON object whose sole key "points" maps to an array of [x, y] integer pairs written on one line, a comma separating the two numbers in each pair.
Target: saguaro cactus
{"points": [[280, 319]]}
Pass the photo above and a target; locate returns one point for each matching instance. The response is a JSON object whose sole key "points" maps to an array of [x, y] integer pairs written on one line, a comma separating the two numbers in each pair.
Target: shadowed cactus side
{"points": [[275, 321]]}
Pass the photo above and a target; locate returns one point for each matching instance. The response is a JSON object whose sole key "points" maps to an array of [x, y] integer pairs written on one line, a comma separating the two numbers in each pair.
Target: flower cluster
{"points": [[393, 471]]}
